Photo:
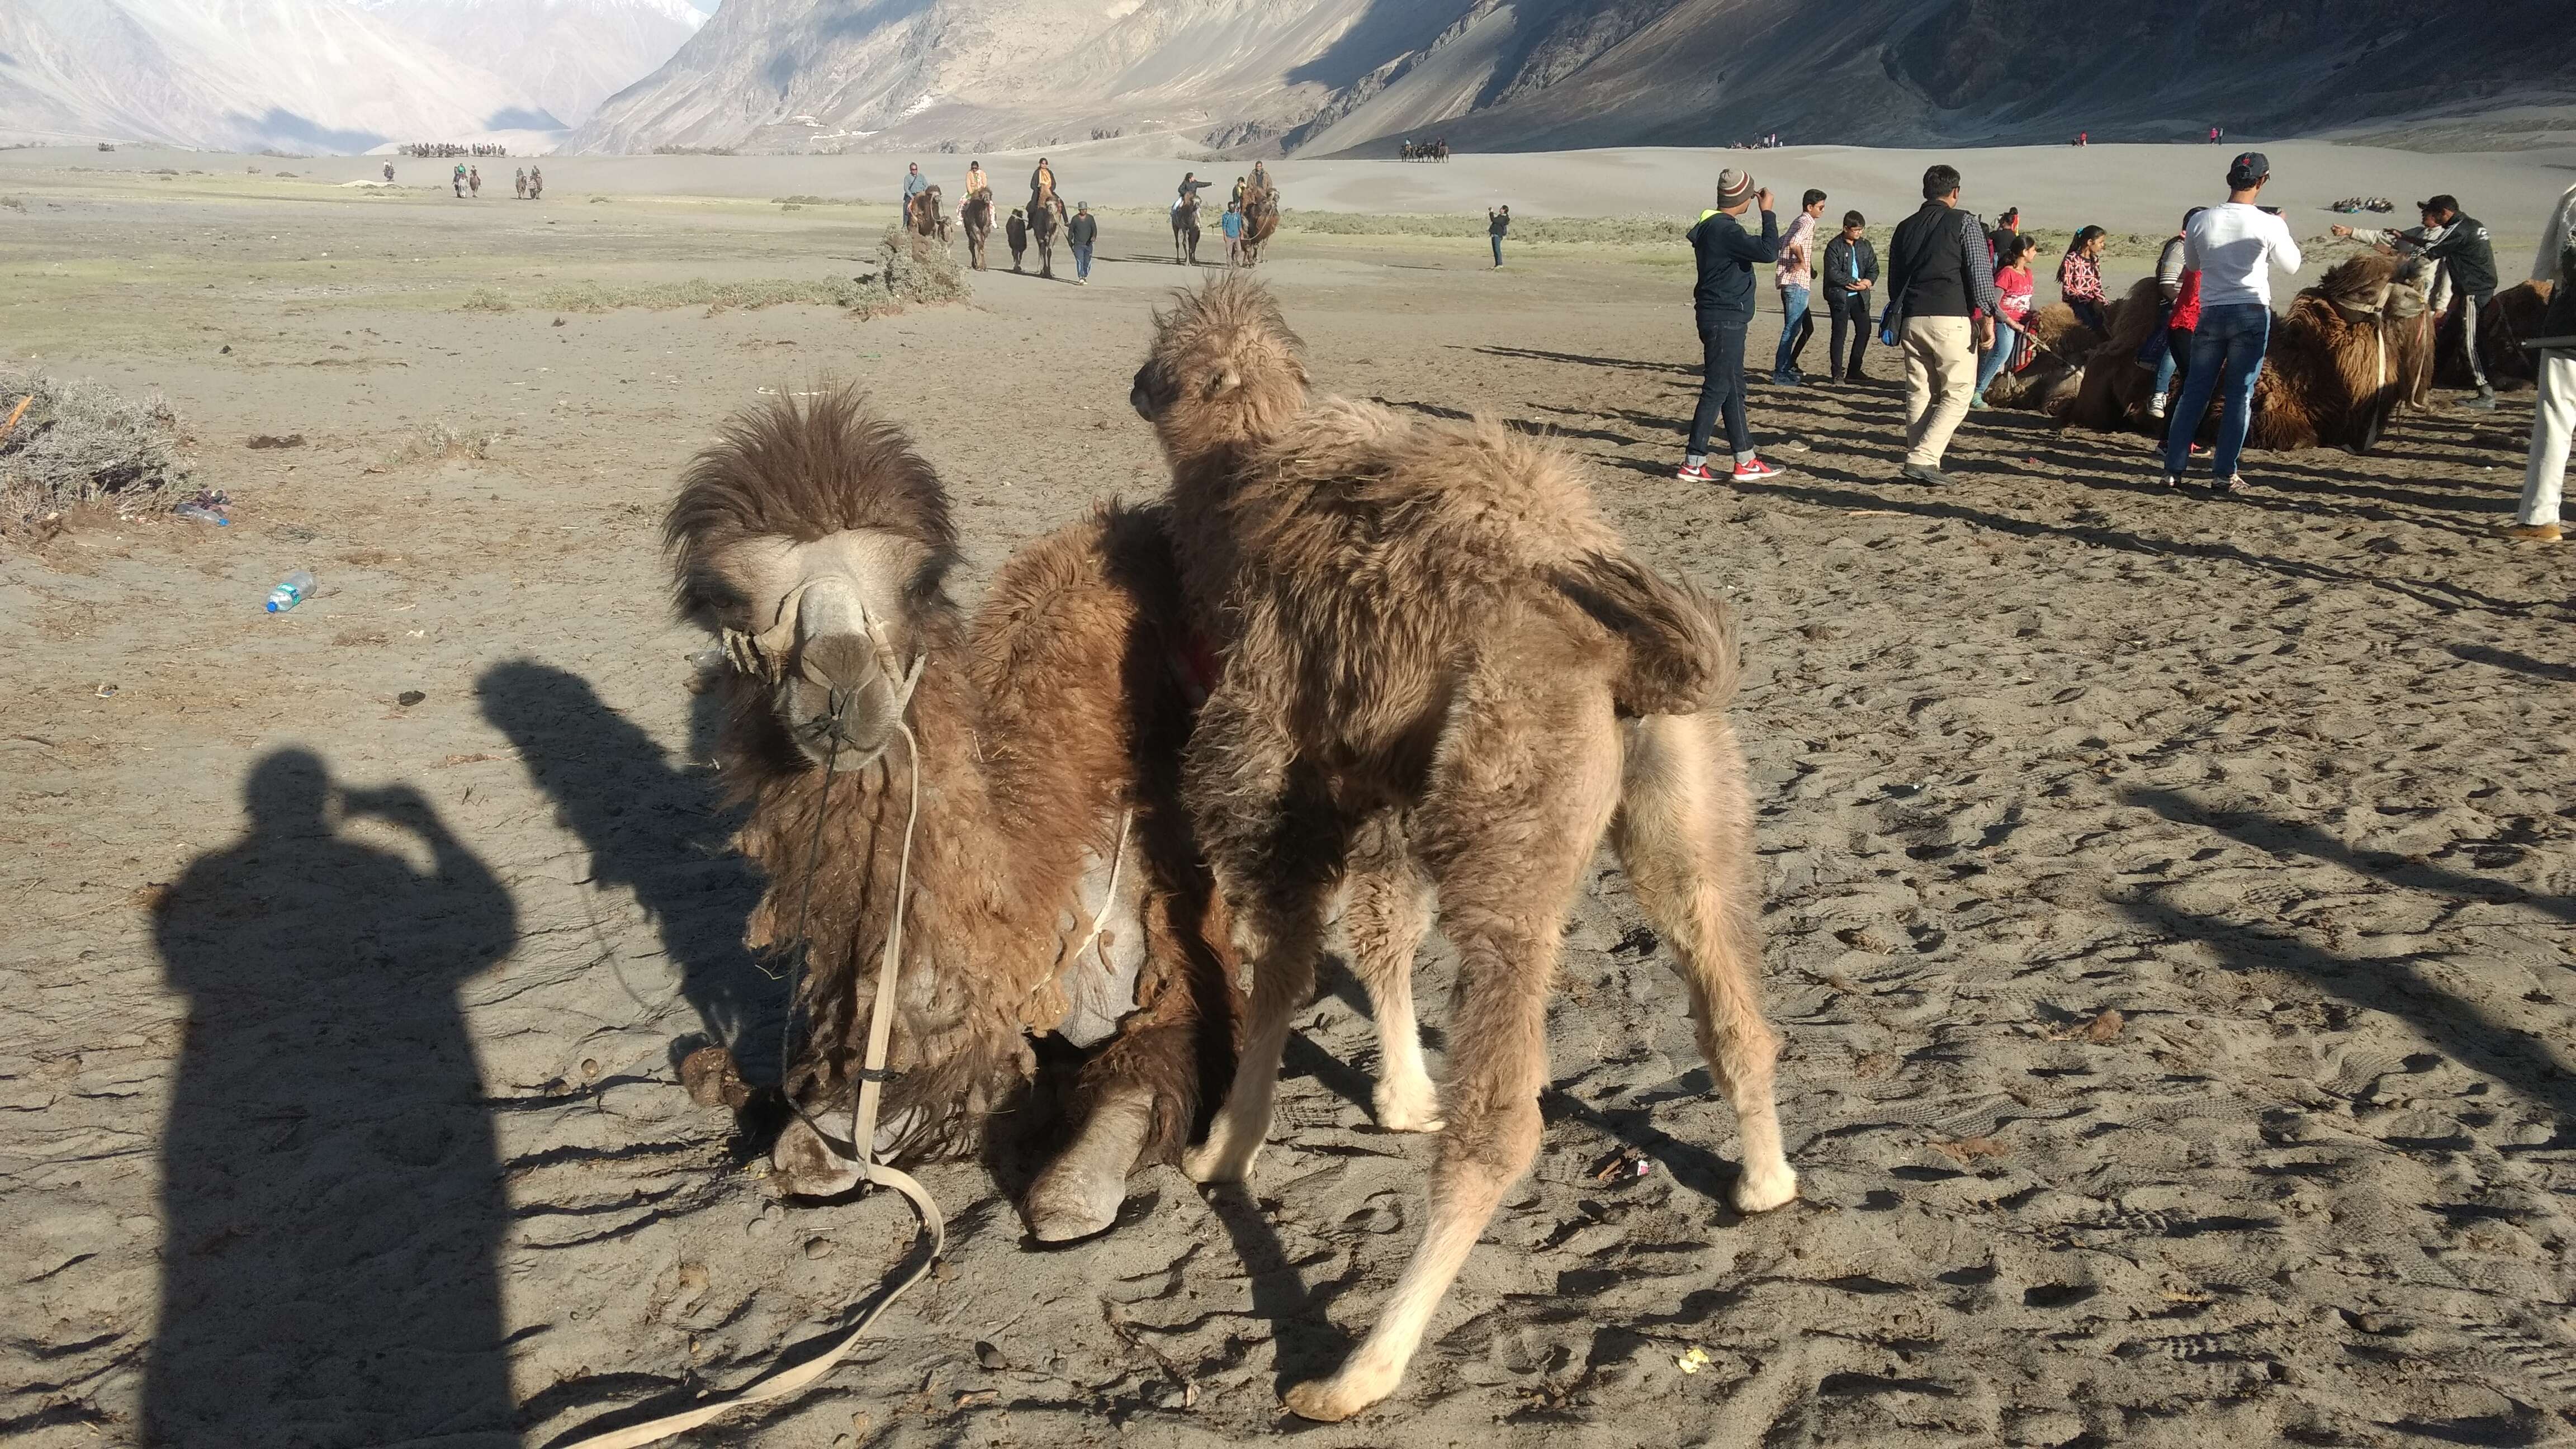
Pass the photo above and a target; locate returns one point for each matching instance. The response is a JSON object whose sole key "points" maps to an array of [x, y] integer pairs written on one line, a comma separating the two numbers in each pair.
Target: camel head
{"points": [[1223, 371], [813, 541]]}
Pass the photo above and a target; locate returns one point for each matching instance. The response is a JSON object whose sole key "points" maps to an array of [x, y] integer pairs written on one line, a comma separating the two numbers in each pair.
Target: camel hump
{"points": [[1681, 642]]}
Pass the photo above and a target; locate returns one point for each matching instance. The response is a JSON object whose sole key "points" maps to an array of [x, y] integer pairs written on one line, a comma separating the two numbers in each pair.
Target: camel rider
{"points": [[1238, 192], [1191, 185], [1260, 177], [975, 180], [1042, 186], [914, 183]]}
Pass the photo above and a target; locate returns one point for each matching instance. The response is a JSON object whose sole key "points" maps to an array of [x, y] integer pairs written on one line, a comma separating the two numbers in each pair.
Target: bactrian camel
{"points": [[1054, 882], [1440, 671]]}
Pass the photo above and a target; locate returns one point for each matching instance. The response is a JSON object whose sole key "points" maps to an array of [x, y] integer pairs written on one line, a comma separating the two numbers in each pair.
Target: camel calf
{"points": [[1442, 676]]}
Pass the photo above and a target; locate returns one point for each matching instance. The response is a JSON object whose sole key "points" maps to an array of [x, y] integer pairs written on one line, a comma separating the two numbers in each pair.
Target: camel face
{"points": [[1224, 369], [828, 628]]}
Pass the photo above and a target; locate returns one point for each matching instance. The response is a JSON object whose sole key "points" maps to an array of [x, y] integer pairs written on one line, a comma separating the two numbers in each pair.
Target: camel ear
{"points": [[1224, 382]]}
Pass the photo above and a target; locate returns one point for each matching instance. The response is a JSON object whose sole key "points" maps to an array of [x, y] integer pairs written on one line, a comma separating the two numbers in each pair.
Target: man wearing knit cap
{"points": [[1723, 306]]}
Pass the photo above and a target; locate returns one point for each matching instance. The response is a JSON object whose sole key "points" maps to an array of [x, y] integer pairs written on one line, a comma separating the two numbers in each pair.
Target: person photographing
{"points": [[1722, 307], [2234, 246]]}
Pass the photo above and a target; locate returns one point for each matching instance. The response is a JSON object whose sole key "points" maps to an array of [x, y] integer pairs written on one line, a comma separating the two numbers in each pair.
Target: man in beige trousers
{"points": [[1941, 281]]}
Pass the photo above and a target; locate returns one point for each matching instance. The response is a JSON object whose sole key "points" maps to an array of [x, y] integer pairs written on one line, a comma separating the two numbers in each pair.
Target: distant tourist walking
{"points": [[459, 180], [2234, 246], [2079, 279], [389, 173], [519, 183], [1081, 233], [2461, 244], [1851, 280], [2013, 296], [474, 180], [2553, 416], [1722, 306], [1940, 280], [1497, 222], [1233, 225], [1795, 278]]}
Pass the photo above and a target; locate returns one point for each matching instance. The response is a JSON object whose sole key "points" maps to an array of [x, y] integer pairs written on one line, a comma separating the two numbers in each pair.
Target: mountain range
{"points": [[1322, 77], [320, 75]]}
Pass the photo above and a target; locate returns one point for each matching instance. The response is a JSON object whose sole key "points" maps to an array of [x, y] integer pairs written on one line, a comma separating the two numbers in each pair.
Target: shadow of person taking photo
{"points": [[331, 1194], [654, 829]]}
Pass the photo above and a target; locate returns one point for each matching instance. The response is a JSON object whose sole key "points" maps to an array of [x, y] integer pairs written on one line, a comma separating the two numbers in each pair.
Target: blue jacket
{"points": [[1727, 253]]}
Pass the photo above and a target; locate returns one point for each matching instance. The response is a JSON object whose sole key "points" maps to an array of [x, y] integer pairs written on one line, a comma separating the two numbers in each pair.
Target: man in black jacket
{"points": [[2462, 244], [1851, 283], [1722, 303], [1943, 285]]}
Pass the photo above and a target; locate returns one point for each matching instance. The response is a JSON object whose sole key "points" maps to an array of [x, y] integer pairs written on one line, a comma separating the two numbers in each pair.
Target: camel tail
{"points": [[1681, 642]]}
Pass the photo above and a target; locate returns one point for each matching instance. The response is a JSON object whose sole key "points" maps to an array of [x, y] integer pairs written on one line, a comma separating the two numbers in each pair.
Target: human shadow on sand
{"points": [[331, 1193], [659, 831], [2398, 985]]}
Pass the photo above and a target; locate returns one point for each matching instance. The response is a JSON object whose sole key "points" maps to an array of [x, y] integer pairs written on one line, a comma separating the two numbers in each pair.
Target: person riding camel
{"points": [[1260, 177], [1237, 198], [1042, 187], [975, 180]]}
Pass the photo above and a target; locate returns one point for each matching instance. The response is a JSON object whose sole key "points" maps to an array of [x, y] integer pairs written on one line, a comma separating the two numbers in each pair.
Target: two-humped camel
{"points": [[1054, 885], [1441, 672]]}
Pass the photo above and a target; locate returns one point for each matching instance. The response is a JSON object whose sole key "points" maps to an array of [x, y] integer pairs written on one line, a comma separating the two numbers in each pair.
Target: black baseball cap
{"points": [[2444, 202], [2248, 169]]}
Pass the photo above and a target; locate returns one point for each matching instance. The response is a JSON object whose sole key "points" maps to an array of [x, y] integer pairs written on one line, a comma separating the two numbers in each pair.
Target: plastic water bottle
{"points": [[291, 590]]}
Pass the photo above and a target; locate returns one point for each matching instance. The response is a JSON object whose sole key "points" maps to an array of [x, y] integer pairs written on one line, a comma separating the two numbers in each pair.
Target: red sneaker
{"points": [[1695, 473], [1756, 470]]}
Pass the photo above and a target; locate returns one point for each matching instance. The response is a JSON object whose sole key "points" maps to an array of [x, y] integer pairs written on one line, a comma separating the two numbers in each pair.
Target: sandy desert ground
{"points": [[2170, 903]]}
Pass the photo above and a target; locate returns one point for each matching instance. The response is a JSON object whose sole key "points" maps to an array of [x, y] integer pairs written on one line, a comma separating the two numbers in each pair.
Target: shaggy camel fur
{"points": [[1440, 669], [814, 542], [2352, 348]]}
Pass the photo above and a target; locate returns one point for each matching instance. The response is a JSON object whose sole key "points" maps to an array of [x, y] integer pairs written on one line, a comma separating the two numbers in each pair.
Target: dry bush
{"points": [[484, 299], [81, 442], [909, 270], [444, 440]]}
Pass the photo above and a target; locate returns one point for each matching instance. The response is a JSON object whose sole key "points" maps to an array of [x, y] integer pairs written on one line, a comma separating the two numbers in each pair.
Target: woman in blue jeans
{"points": [[2226, 356]]}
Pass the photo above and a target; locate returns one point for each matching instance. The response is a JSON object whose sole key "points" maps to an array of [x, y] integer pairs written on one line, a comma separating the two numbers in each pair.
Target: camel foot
{"points": [[1217, 1161], [1329, 1401], [1408, 1106], [1761, 1189], [1069, 1203]]}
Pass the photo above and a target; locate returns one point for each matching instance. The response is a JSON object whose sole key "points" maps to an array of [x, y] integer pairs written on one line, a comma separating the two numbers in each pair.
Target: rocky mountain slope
{"points": [[1326, 76], [567, 56], [319, 75]]}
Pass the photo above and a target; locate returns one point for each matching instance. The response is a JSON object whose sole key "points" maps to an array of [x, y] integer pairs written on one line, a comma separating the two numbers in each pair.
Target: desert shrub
{"points": [[14, 204], [443, 440], [484, 299], [908, 270], [82, 442]]}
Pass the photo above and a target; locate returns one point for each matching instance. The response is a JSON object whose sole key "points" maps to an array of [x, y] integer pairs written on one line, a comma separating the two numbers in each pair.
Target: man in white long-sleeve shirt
{"points": [[2234, 247]]}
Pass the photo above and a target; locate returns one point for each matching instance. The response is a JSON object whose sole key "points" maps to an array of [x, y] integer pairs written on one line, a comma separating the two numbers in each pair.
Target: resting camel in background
{"points": [[1054, 882], [1442, 672], [2353, 348]]}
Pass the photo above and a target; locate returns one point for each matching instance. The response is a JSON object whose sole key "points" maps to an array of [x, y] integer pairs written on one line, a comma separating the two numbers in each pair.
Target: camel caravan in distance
{"points": [[1396, 665], [2354, 347]]}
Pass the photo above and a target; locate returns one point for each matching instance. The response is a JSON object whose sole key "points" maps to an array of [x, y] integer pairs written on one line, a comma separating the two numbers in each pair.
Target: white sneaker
{"points": [[2155, 407]]}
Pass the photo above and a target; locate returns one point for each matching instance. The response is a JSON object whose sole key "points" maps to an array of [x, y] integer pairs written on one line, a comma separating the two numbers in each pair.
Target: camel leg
{"points": [[1079, 1193], [1515, 809], [1384, 917], [1684, 834], [1274, 842]]}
